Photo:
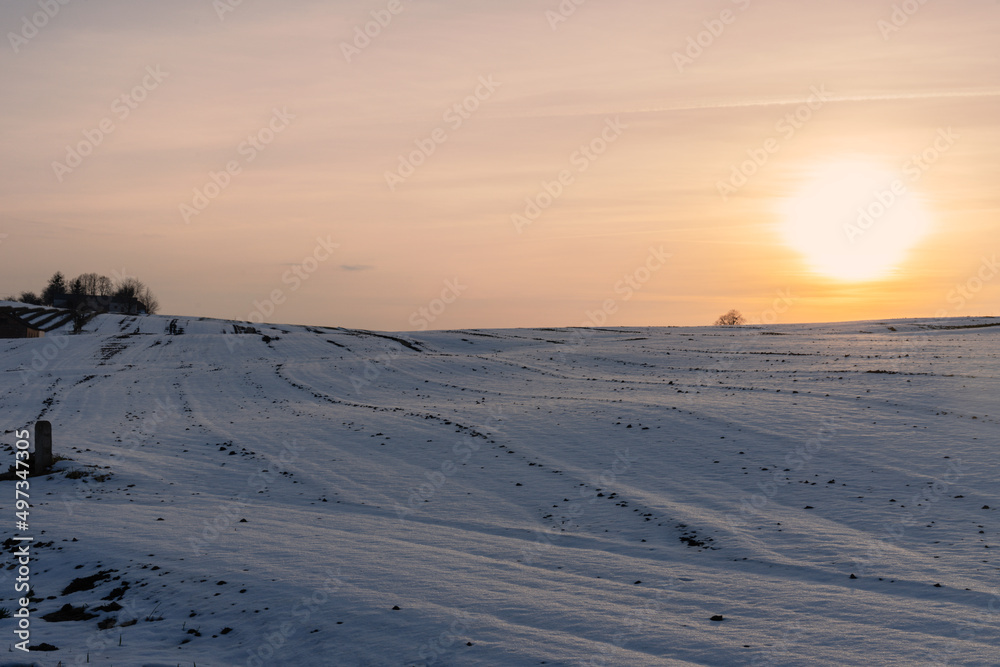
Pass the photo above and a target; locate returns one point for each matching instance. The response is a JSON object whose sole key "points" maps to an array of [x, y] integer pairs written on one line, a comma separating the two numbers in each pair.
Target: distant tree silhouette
{"points": [[95, 284], [80, 317], [83, 289], [55, 288], [29, 298], [88, 281], [133, 288], [148, 300], [104, 286], [731, 319]]}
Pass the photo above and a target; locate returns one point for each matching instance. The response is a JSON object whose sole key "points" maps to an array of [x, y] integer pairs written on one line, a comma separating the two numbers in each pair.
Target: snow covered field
{"points": [[523, 497]]}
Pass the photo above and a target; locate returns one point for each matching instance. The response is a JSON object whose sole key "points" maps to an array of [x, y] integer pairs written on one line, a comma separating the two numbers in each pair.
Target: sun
{"points": [[855, 221]]}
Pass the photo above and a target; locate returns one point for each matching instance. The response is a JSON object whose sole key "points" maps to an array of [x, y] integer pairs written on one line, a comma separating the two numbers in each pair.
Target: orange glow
{"points": [[278, 125]]}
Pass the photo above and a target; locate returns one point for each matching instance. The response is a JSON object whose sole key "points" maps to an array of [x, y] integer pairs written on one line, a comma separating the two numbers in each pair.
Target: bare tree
{"points": [[731, 319], [133, 288], [29, 298], [129, 288], [81, 316], [89, 283], [149, 300], [103, 286]]}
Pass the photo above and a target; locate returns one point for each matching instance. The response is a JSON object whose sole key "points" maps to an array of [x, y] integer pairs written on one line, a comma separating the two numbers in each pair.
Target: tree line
{"points": [[126, 289]]}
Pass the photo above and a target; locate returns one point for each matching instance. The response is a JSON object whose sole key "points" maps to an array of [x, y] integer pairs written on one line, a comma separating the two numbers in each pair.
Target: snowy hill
{"points": [[524, 497]]}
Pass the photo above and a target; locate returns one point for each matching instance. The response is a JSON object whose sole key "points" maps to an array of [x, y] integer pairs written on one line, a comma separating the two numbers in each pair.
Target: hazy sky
{"points": [[116, 115]]}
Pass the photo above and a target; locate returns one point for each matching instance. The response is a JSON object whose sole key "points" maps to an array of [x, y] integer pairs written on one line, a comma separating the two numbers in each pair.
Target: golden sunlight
{"points": [[854, 221]]}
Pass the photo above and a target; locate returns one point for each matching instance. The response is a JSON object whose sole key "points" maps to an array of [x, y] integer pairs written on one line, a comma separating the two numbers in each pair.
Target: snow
{"points": [[525, 497]]}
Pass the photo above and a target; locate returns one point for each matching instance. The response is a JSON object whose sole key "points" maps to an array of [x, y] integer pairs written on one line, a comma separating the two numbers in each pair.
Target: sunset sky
{"points": [[695, 177]]}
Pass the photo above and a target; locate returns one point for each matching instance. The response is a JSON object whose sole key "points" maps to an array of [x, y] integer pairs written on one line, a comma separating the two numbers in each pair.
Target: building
{"points": [[100, 304], [129, 306], [12, 326]]}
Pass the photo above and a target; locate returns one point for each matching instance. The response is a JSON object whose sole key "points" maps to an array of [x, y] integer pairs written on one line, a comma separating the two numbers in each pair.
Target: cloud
{"points": [[747, 104]]}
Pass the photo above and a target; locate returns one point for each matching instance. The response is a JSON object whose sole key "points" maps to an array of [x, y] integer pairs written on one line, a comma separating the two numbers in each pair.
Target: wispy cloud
{"points": [[763, 103]]}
